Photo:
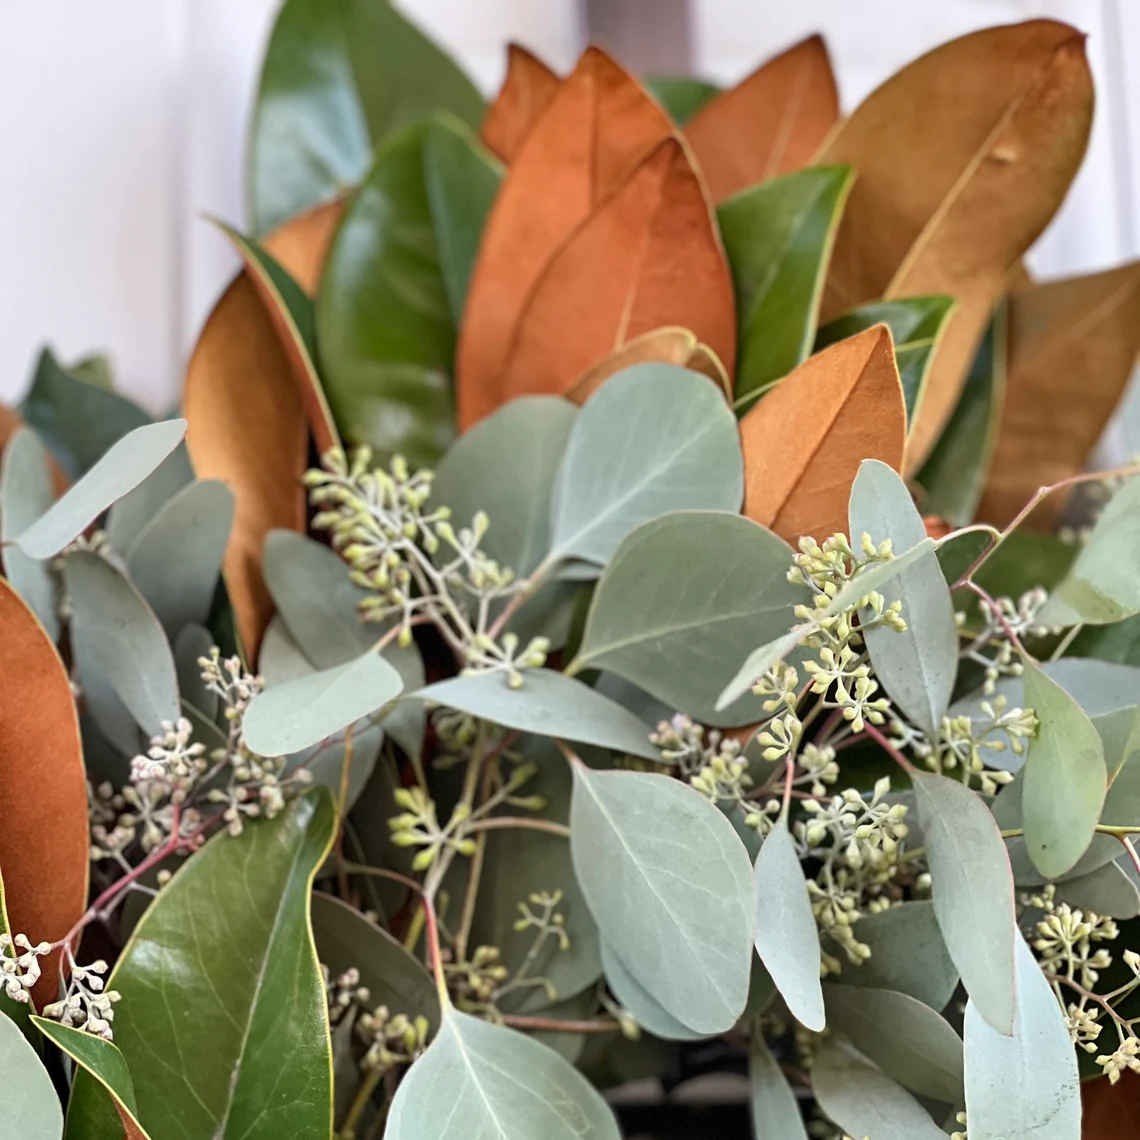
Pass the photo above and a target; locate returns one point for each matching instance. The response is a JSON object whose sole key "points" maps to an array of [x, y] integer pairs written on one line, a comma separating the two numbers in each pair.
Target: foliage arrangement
{"points": [[625, 587]]}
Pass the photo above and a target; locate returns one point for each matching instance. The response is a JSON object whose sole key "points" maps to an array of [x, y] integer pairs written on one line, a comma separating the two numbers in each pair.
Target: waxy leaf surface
{"points": [[31, 1106], [646, 1010], [775, 1110], [526, 93]]}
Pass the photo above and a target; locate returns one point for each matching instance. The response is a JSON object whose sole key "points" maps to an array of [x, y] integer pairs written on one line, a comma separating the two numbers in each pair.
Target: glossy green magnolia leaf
{"points": [[875, 577], [973, 892], [653, 438], [176, 560], [95, 1115], [118, 643], [28, 1099], [124, 466], [547, 704], [387, 308], [916, 325], [1065, 779], [785, 933], [918, 666], [1102, 585], [25, 494], [228, 946], [646, 1010], [677, 912], [679, 635], [1025, 1084], [18, 1012], [300, 713], [483, 1080], [77, 419], [129, 515], [775, 1110], [778, 236], [909, 1041], [337, 78], [954, 475], [866, 1103], [1109, 890], [681, 95]]}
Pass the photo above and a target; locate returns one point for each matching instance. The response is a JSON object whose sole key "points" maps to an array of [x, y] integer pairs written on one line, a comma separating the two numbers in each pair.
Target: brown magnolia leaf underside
{"points": [[961, 160], [803, 442], [670, 345], [526, 92], [1111, 1111], [770, 123], [43, 830], [649, 256], [1072, 347], [596, 129]]}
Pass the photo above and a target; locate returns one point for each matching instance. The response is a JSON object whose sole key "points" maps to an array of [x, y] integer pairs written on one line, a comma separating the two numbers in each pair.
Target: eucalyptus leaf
{"points": [[1025, 1084], [1065, 780], [337, 78], [124, 466], [30, 1104], [973, 892], [479, 1080], [193, 643], [778, 236], [300, 713], [653, 438], [646, 1010], [669, 885], [681, 95], [130, 514], [25, 494], [785, 932], [118, 642], [1109, 890], [547, 704], [918, 666], [678, 635], [775, 1110]]}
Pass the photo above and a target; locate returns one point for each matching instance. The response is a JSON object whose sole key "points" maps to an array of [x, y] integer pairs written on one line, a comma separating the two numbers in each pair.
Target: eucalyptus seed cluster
{"points": [[992, 647], [19, 965], [415, 565], [86, 1005]]}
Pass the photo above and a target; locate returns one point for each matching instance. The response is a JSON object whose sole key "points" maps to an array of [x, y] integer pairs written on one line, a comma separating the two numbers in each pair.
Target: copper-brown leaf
{"points": [[599, 125], [961, 160], [804, 441], [246, 422], [526, 92], [770, 123], [43, 823], [1111, 1111], [1072, 347], [649, 256]]}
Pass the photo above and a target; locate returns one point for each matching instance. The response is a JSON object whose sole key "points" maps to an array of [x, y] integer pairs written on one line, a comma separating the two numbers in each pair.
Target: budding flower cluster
{"points": [[86, 1005], [19, 967]]}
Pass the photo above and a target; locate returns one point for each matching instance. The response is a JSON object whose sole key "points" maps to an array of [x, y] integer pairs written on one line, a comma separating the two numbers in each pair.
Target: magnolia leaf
{"points": [[909, 1041], [124, 466], [116, 635], [257, 1029], [772, 122], [973, 892], [337, 79], [947, 201], [480, 1079], [681, 95], [26, 493], [652, 439], [954, 474], [646, 1010], [778, 239], [678, 915], [916, 324], [97, 1115], [918, 666], [129, 515], [1025, 1083], [31, 1105], [300, 713], [847, 405], [1072, 344], [592, 132], [775, 1110], [864, 1102], [394, 286], [1065, 777], [647, 257], [176, 560], [785, 932], [1109, 890], [526, 93], [680, 640], [547, 704]]}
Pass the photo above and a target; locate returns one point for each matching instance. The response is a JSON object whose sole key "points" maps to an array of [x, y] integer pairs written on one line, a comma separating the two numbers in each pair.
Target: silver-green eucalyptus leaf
{"points": [[130, 514], [1110, 890], [646, 1010], [28, 1099], [775, 1110]]}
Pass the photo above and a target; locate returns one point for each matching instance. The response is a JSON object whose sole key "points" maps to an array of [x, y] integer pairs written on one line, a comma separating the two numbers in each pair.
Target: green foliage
{"points": [[773, 1103], [680, 95], [31, 1107]]}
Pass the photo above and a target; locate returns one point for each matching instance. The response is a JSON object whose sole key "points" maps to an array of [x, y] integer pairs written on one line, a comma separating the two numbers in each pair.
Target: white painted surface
{"points": [[123, 121]]}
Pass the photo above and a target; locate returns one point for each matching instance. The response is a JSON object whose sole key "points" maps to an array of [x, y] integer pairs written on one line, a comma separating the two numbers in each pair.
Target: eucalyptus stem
{"points": [[501, 822], [359, 1104], [553, 1024], [890, 749]]}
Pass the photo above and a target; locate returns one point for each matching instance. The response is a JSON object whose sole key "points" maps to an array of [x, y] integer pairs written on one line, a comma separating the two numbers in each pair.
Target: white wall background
{"points": [[123, 121]]}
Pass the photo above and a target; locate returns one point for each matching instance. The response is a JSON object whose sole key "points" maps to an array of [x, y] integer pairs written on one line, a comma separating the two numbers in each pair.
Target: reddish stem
{"points": [[890, 749]]}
